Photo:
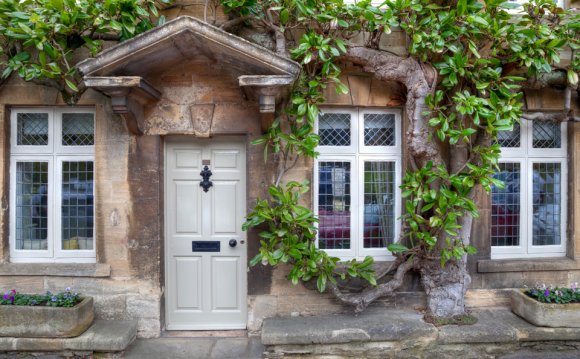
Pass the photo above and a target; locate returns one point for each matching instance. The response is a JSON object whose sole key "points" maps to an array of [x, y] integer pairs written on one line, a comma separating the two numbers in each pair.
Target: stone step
{"points": [[102, 336], [384, 333], [373, 325]]}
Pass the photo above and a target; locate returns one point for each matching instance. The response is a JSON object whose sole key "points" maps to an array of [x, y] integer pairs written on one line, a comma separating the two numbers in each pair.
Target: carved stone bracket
{"points": [[268, 90], [129, 95]]}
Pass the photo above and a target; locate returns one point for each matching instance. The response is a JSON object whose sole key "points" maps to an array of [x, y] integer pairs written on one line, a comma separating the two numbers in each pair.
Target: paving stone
{"points": [[174, 348], [230, 348]]}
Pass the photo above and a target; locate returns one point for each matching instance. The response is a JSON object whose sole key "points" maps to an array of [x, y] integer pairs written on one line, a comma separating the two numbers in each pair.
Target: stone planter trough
{"points": [[545, 314], [46, 322]]}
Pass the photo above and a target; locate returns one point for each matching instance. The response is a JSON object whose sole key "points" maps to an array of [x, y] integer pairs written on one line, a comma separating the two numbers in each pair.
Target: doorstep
{"points": [[102, 336], [385, 333]]}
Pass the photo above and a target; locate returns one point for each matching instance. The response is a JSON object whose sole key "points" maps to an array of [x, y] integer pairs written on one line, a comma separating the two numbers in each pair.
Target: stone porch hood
{"points": [[121, 72]]}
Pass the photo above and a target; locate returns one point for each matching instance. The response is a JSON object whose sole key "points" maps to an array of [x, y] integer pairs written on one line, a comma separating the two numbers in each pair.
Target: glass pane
{"points": [[31, 205], [32, 129], [547, 201], [379, 129], [546, 135], [510, 138], [78, 129], [334, 205], [379, 204], [334, 129], [77, 205], [505, 206]]}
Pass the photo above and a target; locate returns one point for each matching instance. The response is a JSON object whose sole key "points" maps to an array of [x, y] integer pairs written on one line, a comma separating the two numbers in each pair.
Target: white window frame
{"points": [[357, 154], [55, 154], [526, 156]]}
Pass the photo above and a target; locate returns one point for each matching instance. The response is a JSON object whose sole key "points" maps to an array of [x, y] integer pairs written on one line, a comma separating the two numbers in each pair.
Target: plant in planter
{"points": [[64, 299], [558, 295], [64, 314], [548, 306]]}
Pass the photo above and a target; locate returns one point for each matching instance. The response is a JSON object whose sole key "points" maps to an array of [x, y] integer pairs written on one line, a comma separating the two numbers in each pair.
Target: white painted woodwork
{"points": [[205, 290]]}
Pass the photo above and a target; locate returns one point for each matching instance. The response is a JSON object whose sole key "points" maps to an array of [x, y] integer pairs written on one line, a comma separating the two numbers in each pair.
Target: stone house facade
{"points": [[113, 197]]}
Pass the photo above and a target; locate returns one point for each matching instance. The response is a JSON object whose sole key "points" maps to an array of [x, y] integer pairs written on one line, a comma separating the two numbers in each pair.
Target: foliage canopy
{"points": [[38, 38], [482, 53]]}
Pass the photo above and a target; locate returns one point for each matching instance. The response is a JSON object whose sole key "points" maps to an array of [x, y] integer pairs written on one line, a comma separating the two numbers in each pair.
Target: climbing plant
{"points": [[39, 38], [466, 64]]}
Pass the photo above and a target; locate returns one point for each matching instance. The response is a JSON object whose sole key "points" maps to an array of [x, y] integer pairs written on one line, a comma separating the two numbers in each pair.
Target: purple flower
{"points": [[546, 293], [6, 296], [54, 298], [67, 289]]}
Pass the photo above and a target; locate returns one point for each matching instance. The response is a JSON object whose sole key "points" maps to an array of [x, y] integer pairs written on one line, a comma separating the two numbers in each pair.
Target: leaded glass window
{"points": [[334, 197], [356, 183], [379, 201], [379, 129], [334, 129], [528, 215], [505, 208], [52, 185], [32, 129]]}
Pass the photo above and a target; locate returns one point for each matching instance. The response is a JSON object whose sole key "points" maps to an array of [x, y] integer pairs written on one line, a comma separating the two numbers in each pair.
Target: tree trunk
{"points": [[445, 287]]}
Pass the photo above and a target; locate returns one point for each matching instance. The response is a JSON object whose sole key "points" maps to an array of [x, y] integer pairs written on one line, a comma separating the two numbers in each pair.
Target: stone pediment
{"points": [[122, 71]]}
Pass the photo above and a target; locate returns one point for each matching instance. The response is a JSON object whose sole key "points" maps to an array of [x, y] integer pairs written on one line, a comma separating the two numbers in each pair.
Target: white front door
{"points": [[205, 252]]}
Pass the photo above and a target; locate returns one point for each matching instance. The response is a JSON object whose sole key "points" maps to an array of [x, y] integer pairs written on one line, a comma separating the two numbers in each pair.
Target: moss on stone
{"points": [[466, 319]]}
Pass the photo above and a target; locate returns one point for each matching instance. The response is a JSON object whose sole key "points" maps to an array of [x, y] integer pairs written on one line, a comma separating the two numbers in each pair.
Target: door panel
{"points": [[224, 216], [188, 294], [187, 206], [205, 285], [224, 283]]}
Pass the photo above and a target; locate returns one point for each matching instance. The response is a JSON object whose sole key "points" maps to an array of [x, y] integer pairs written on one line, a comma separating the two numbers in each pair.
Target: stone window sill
{"points": [[55, 269], [526, 265]]}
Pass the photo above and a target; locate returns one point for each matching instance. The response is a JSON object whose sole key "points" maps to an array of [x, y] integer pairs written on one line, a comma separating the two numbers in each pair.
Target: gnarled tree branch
{"points": [[361, 300], [415, 76]]}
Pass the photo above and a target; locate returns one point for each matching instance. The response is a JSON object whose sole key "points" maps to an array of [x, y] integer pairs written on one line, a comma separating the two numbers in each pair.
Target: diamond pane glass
{"points": [[379, 204], [510, 138], [31, 205], [77, 205], [547, 200], [334, 129], [78, 129], [334, 209], [31, 129], [505, 206], [379, 129], [546, 135]]}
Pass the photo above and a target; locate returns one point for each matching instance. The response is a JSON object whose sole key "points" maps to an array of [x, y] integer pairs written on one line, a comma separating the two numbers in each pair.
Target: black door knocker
{"points": [[206, 183]]}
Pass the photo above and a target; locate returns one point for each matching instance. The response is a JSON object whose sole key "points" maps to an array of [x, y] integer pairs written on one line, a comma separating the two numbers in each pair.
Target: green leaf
{"points": [[321, 282], [397, 247], [572, 77], [257, 259], [461, 7], [480, 20], [284, 16], [510, 5], [71, 85]]}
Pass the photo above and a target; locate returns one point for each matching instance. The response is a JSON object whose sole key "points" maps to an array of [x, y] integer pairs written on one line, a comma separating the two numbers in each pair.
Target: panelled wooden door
{"points": [[205, 245]]}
